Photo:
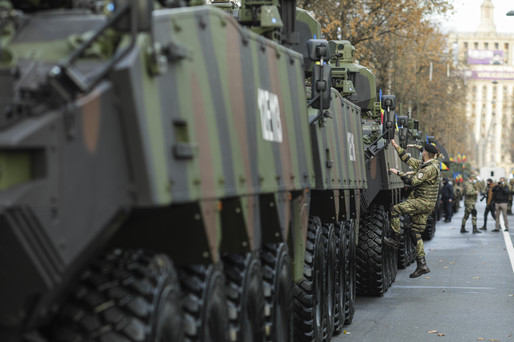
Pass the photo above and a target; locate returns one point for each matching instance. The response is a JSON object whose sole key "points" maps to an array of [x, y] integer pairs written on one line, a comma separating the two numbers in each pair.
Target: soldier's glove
{"points": [[407, 179]]}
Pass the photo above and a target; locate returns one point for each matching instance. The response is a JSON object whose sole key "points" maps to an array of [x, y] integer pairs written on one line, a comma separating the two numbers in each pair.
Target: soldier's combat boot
{"points": [[421, 269], [393, 241], [463, 230], [483, 228], [475, 230]]}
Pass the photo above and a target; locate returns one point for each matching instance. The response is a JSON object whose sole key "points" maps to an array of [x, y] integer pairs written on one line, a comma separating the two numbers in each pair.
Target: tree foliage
{"points": [[410, 56]]}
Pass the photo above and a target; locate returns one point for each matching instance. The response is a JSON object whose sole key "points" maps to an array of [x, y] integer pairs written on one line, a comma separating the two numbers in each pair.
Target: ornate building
{"points": [[488, 57]]}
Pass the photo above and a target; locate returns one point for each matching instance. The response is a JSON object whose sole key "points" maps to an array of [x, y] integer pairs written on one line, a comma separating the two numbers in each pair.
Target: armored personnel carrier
{"points": [[174, 172], [376, 262], [165, 176]]}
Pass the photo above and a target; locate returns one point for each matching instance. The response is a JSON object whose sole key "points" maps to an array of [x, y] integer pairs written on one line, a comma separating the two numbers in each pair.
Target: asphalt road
{"points": [[467, 296]]}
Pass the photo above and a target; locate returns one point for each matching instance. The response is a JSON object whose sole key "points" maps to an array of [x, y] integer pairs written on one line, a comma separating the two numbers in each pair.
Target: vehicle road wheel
{"points": [[341, 267], [351, 272], [124, 296], [371, 254], [429, 231], [204, 303], [278, 292], [404, 257], [245, 296], [309, 293], [330, 282]]}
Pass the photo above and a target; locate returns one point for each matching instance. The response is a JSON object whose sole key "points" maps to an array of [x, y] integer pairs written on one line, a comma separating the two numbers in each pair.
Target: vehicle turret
{"points": [[353, 80]]}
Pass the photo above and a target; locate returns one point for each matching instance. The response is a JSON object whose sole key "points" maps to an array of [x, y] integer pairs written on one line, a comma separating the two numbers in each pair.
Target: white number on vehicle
{"points": [[270, 116]]}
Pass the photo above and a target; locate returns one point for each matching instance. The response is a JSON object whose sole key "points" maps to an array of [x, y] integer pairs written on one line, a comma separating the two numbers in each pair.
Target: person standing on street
{"points": [[457, 195], [501, 197], [470, 198], [447, 198], [511, 187], [420, 204], [489, 208]]}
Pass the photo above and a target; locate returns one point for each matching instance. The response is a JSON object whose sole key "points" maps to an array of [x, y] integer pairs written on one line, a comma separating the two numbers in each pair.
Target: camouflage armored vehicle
{"points": [[164, 176], [376, 262]]}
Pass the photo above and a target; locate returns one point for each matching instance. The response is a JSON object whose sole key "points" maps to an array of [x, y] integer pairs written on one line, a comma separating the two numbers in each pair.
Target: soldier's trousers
{"points": [[470, 209], [501, 209], [447, 206], [489, 209], [418, 211]]}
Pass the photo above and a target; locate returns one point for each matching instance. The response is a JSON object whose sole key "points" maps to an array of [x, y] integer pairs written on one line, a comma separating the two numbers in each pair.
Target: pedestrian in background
{"points": [[470, 199], [501, 194], [447, 198], [457, 195], [489, 207], [511, 187]]}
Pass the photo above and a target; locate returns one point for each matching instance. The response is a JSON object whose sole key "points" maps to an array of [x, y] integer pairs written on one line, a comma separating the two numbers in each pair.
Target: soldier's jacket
{"points": [[470, 193], [425, 179]]}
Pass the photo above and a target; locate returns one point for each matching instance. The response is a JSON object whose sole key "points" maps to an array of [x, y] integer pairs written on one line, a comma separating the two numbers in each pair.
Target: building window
{"points": [[486, 46], [496, 46], [475, 45], [465, 45]]}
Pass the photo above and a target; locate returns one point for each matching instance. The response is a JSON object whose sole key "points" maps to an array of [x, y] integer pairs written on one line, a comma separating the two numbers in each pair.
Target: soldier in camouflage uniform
{"points": [[470, 198], [421, 202]]}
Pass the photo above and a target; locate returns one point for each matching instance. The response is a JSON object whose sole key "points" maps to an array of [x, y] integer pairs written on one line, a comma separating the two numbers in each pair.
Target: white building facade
{"points": [[489, 59]]}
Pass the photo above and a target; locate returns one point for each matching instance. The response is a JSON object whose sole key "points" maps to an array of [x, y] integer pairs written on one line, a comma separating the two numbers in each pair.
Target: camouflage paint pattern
{"points": [[425, 179], [338, 147], [417, 209]]}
